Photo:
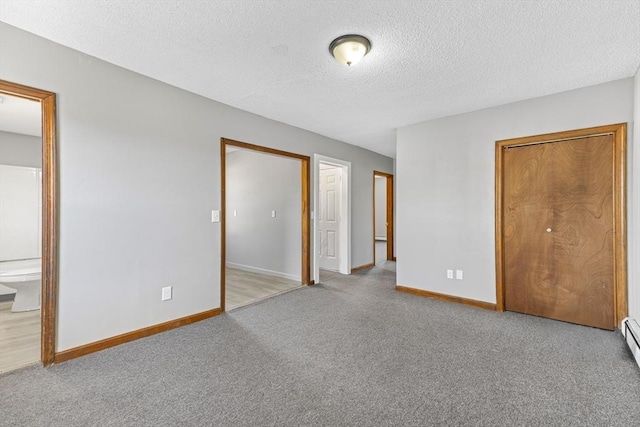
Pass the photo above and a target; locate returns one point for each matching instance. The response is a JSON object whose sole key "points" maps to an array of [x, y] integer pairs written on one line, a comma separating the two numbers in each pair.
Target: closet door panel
{"points": [[583, 230], [558, 230], [528, 213]]}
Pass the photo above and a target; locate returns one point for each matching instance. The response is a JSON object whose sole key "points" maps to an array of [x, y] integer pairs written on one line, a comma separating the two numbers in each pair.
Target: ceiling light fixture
{"points": [[350, 49]]}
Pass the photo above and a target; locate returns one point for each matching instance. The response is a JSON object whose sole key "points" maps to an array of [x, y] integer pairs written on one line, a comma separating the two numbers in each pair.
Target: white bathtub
{"points": [[25, 277]]}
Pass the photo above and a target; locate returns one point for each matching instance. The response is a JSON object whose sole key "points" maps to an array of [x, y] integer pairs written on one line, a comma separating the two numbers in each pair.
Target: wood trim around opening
{"points": [[50, 234], [619, 132], [223, 222], [305, 169], [83, 350], [389, 213], [362, 267], [447, 298]]}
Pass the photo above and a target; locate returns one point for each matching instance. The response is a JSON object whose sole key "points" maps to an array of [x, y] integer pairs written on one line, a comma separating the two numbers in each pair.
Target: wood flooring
{"points": [[19, 338], [244, 287]]}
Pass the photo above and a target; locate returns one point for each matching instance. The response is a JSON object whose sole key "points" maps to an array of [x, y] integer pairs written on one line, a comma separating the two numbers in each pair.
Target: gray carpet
{"points": [[347, 352]]}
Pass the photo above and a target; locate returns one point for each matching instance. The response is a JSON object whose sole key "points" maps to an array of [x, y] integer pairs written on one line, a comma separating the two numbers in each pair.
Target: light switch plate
{"points": [[459, 274], [166, 293], [215, 216], [449, 274]]}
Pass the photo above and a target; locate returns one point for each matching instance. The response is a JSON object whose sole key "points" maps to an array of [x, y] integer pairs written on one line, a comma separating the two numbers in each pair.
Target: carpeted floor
{"points": [[348, 352]]}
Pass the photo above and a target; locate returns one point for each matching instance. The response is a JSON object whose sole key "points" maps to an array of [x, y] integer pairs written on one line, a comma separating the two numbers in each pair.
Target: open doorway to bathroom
{"points": [[28, 226], [20, 231], [265, 223], [383, 247]]}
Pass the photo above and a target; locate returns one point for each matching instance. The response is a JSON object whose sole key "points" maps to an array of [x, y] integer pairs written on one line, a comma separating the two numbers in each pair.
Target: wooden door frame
{"points": [[619, 133], [389, 213], [49, 256], [305, 211]]}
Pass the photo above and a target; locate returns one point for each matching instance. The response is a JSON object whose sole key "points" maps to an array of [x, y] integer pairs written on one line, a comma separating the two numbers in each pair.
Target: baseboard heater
{"points": [[631, 332]]}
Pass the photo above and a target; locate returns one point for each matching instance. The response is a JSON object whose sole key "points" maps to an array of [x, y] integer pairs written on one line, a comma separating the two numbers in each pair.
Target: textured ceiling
{"points": [[429, 58]]}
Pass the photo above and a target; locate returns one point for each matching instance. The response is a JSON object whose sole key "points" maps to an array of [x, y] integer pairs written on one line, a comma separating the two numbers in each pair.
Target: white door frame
{"points": [[345, 219]]}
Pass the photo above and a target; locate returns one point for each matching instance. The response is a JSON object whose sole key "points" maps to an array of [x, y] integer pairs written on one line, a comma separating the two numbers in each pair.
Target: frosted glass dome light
{"points": [[350, 49]]}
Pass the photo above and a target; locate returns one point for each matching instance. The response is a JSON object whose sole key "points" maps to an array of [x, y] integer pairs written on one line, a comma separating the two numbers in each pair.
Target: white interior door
{"points": [[330, 199]]}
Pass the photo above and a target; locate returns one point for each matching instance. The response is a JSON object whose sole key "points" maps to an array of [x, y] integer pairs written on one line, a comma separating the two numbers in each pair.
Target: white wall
{"points": [[20, 229], [446, 176], [20, 150], [258, 183], [139, 175], [20, 213], [381, 207], [634, 203]]}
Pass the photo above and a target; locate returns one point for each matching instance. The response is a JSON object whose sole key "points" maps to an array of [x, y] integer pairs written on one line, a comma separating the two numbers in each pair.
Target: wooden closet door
{"points": [[558, 230]]}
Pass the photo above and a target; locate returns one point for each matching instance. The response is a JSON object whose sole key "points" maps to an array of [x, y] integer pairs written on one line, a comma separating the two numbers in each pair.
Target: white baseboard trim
{"points": [[263, 271]]}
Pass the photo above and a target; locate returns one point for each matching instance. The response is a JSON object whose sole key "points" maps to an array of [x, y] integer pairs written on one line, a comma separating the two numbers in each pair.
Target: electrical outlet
{"points": [[449, 274], [166, 293], [459, 274], [215, 216], [273, 214]]}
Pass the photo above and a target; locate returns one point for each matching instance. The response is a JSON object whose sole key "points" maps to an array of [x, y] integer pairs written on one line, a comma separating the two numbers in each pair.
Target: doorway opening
{"points": [[332, 215], [560, 226], [39, 251], [264, 223], [383, 247]]}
